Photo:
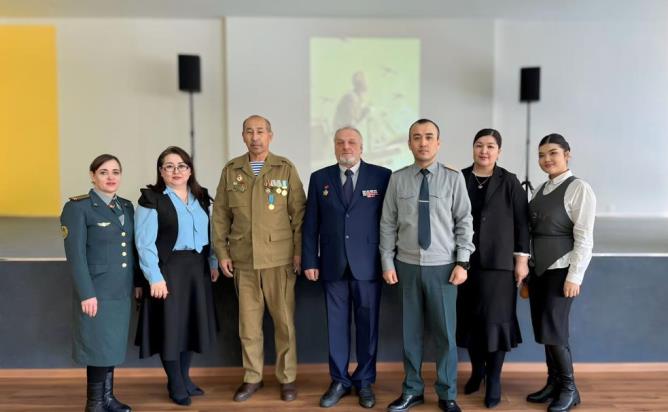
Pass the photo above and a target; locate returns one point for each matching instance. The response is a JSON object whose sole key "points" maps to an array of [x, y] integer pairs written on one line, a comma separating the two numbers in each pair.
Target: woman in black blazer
{"points": [[486, 320]]}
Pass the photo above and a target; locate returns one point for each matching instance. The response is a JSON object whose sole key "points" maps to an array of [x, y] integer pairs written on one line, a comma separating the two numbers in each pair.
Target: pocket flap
{"points": [[280, 235]]}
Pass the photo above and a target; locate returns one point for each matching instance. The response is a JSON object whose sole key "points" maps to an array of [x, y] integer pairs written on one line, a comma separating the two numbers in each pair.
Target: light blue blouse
{"points": [[193, 233]]}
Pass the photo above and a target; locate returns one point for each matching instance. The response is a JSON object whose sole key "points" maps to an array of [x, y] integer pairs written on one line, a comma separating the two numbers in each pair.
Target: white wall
{"points": [[604, 86], [268, 74], [118, 93]]}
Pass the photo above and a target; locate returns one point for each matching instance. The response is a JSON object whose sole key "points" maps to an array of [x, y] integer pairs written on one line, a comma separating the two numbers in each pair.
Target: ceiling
{"points": [[574, 10]]}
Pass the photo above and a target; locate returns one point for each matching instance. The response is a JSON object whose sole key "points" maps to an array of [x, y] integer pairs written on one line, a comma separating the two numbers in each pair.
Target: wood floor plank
{"points": [[609, 392]]}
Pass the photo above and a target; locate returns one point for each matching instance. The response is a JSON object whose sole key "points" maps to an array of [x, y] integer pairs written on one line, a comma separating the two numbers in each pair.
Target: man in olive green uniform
{"points": [[257, 220]]}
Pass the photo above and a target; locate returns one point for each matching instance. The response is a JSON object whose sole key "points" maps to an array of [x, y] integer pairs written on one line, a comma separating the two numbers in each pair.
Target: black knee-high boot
{"points": [[493, 366], [175, 386], [95, 389], [477, 356], [193, 390], [110, 401], [548, 392], [568, 395]]}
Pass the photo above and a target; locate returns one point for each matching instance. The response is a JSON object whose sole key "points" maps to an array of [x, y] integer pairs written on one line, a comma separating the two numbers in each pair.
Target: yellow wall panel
{"points": [[29, 155]]}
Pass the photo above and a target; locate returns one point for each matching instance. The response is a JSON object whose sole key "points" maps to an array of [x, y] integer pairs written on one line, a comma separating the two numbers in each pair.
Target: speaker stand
{"points": [[192, 126], [528, 187]]}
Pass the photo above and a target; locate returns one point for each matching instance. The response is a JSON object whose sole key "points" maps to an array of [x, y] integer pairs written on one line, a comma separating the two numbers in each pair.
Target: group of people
{"points": [[457, 244]]}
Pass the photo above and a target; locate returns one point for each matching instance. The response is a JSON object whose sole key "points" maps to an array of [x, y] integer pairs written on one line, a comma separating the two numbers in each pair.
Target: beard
{"points": [[347, 160]]}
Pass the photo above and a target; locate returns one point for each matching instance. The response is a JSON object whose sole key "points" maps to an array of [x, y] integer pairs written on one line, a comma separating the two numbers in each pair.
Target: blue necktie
{"points": [[424, 226], [348, 188]]}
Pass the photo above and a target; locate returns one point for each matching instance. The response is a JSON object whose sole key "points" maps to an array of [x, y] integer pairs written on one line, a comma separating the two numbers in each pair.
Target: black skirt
{"points": [[550, 309], [186, 320], [486, 311]]}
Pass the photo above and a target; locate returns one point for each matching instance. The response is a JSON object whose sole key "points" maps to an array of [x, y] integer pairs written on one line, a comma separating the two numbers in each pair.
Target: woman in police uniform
{"points": [[177, 315], [98, 232]]}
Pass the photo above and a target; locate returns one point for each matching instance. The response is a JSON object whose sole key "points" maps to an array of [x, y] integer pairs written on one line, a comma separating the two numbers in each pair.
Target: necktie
{"points": [[348, 188], [424, 226], [116, 208]]}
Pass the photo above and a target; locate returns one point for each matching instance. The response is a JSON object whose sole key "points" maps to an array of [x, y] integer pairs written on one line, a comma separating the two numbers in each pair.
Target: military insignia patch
{"points": [[64, 231]]}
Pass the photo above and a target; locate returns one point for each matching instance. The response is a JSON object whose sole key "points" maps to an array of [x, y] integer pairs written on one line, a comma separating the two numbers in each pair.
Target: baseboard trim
{"points": [[315, 368]]}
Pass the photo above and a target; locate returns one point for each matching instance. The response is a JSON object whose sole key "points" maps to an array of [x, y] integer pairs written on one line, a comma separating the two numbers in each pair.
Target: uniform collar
{"points": [[105, 198], [557, 180], [432, 168]]}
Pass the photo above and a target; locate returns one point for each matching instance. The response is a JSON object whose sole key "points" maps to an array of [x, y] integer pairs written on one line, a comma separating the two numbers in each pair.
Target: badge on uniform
{"points": [[238, 187], [64, 231], [103, 224], [325, 191], [371, 193]]}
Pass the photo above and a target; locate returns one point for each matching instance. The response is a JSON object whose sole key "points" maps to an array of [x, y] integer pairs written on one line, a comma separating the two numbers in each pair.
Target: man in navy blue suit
{"points": [[342, 220]]}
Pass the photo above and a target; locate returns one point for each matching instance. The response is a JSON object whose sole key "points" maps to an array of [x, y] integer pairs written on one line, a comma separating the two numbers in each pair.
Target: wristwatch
{"points": [[464, 265]]}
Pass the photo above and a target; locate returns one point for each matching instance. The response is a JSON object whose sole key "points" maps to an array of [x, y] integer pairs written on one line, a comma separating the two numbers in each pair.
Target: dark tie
{"points": [[116, 208], [348, 188], [424, 226]]}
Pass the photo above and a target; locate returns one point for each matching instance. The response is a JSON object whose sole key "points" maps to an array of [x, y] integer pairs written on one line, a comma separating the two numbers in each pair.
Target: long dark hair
{"points": [[102, 159], [194, 187]]}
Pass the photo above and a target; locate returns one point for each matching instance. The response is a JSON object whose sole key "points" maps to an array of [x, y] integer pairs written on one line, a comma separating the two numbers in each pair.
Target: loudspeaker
{"points": [[189, 79], [530, 84]]}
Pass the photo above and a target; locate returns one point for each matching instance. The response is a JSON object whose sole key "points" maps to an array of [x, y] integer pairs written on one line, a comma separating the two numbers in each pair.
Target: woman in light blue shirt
{"points": [[173, 240]]}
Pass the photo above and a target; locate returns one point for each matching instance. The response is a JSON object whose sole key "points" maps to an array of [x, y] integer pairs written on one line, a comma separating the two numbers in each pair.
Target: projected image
{"points": [[372, 84]]}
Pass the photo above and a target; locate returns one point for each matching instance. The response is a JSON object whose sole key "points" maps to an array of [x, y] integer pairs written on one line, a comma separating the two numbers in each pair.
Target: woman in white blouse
{"points": [[562, 214]]}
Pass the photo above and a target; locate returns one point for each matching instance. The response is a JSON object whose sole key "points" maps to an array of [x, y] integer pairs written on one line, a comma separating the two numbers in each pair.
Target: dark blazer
{"points": [[168, 222], [504, 220], [344, 236]]}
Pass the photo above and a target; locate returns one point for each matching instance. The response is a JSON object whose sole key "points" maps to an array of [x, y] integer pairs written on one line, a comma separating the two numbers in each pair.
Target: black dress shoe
{"points": [[448, 406], [405, 402], [333, 395], [367, 399], [181, 401]]}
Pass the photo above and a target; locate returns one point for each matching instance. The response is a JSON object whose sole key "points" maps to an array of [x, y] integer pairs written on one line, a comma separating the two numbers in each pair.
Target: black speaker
{"points": [[530, 84], [189, 79]]}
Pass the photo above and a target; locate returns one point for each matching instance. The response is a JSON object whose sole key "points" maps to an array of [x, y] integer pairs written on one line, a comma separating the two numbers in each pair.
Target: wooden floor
{"points": [[601, 391]]}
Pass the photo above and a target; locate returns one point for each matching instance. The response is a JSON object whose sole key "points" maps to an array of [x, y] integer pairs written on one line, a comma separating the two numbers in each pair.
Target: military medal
{"points": [[271, 202], [279, 190], [284, 192], [325, 191], [239, 178]]}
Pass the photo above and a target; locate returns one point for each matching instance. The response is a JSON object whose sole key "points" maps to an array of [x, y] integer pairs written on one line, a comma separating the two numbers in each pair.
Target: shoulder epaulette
{"points": [[449, 168], [403, 168], [80, 197]]}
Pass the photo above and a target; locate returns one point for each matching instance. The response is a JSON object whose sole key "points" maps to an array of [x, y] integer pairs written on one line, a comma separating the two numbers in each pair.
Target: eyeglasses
{"points": [[181, 167]]}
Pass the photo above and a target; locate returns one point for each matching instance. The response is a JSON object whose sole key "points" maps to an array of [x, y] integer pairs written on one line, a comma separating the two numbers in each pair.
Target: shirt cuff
{"points": [[463, 255], [575, 277], [154, 277], [213, 262], [387, 264]]}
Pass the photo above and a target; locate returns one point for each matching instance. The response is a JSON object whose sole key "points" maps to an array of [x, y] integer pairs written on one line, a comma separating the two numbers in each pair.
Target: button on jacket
{"points": [[254, 224]]}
